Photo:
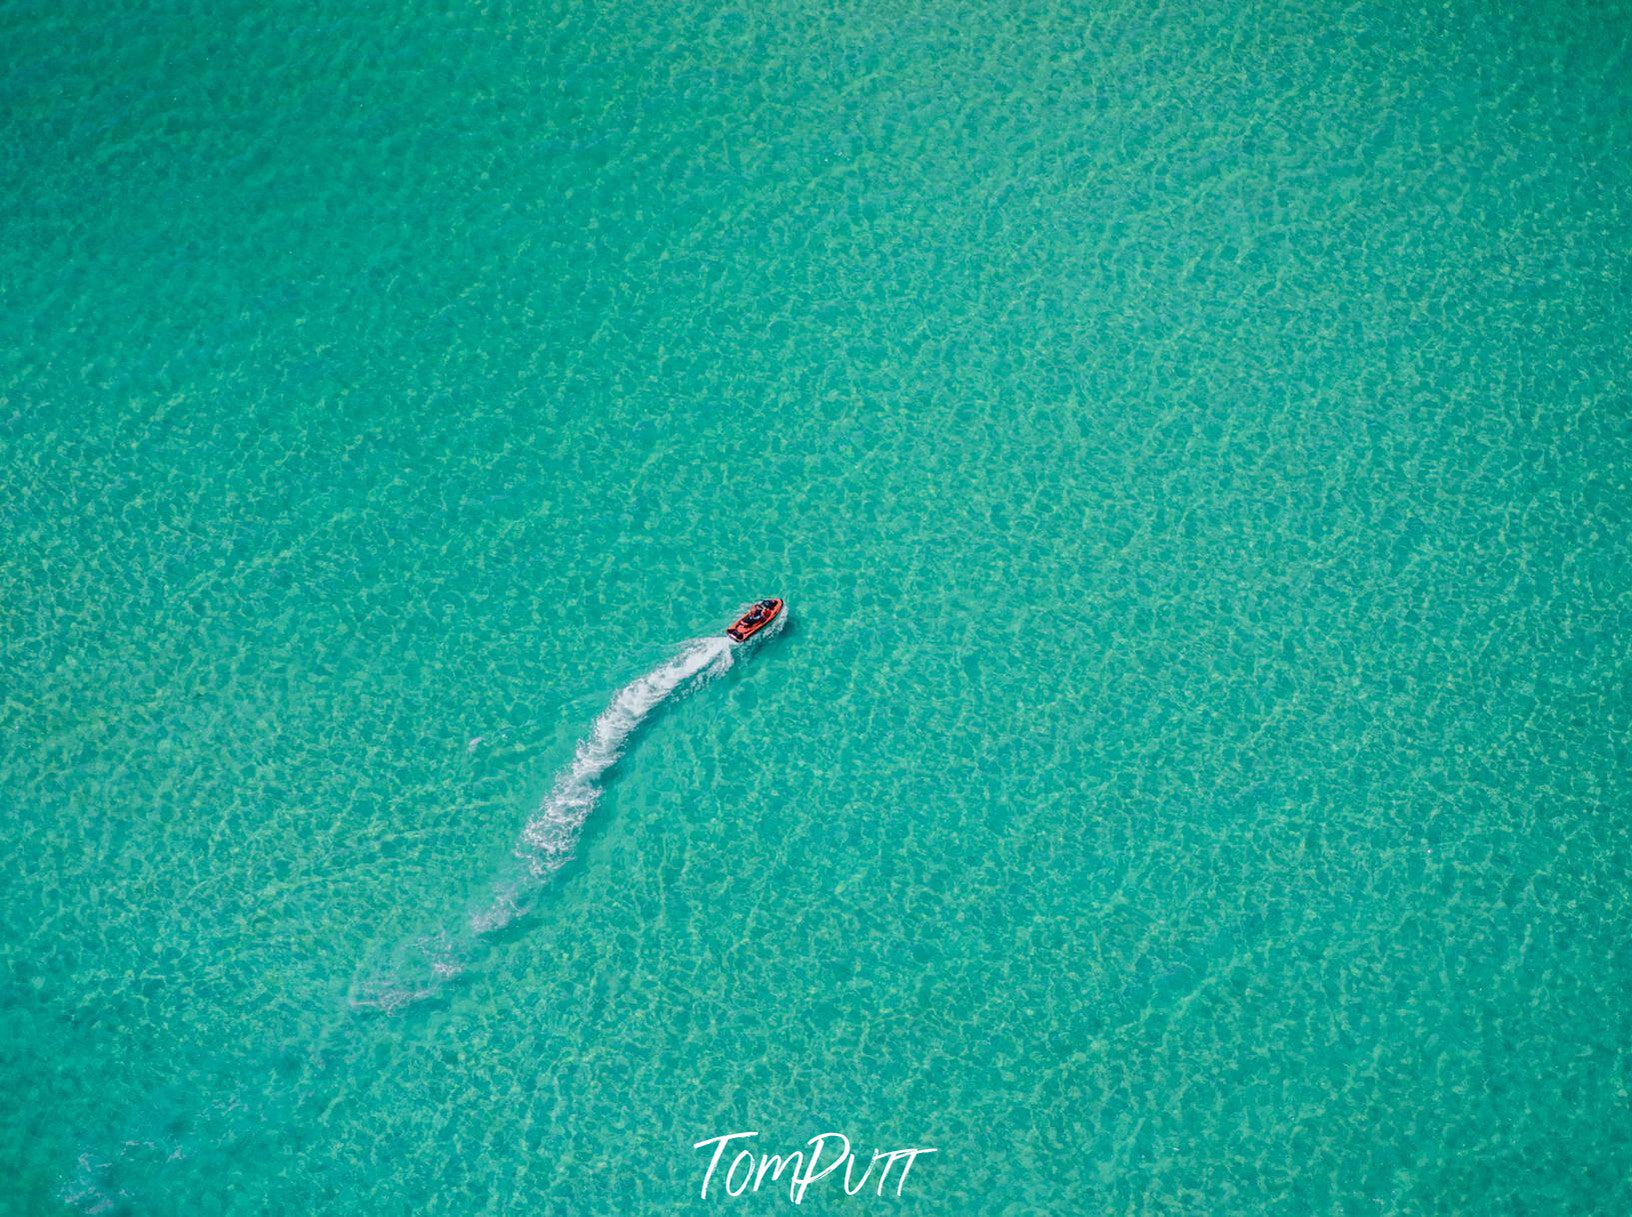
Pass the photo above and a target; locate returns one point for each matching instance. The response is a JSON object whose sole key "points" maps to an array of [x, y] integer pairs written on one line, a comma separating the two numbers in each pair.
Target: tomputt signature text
{"points": [[828, 1152]]}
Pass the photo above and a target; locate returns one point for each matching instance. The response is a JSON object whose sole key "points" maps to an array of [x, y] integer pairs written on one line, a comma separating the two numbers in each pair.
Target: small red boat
{"points": [[755, 619]]}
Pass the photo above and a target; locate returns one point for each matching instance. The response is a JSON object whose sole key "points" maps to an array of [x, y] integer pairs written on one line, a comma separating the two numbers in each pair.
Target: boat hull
{"points": [[746, 626]]}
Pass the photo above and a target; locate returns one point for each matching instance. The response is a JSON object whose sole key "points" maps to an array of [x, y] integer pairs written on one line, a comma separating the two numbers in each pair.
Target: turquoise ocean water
{"points": [[1195, 442]]}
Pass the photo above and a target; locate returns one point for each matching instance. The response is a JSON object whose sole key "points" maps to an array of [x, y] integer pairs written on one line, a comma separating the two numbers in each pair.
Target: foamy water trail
{"points": [[547, 841]]}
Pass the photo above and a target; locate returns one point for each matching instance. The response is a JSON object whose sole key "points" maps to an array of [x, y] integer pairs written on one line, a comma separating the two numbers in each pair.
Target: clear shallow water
{"points": [[1194, 445]]}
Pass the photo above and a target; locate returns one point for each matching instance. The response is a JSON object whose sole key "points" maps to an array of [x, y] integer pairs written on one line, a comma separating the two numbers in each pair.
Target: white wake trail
{"points": [[547, 841]]}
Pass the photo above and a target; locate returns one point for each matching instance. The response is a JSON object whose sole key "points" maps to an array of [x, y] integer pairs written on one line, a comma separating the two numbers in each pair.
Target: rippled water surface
{"points": [[1194, 441]]}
